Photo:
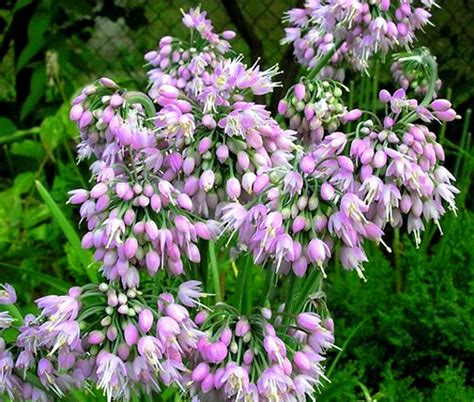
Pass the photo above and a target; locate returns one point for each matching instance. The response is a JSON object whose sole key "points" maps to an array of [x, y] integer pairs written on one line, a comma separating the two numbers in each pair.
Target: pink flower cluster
{"points": [[217, 139], [357, 29], [246, 358], [347, 189], [140, 222], [412, 79], [314, 107], [134, 347]]}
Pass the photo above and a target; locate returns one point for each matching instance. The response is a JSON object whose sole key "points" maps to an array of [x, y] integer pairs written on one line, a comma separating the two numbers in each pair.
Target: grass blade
{"points": [[68, 231], [56, 283]]}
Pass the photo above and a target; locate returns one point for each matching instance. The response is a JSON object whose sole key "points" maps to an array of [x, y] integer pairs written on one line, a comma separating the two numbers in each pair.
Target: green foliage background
{"points": [[406, 334]]}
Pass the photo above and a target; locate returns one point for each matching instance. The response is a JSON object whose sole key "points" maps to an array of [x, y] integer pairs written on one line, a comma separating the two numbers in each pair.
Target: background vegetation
{"points": [[407, 334]]}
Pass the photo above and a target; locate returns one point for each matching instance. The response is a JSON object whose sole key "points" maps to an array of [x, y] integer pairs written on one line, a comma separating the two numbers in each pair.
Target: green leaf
{"points": [[20, 4], [37, 87], [56, 283], [37, 28], [35, 215], [56, 129], [23, 182], [7, 127], [30, 50], [28, 148], [69, 232]]}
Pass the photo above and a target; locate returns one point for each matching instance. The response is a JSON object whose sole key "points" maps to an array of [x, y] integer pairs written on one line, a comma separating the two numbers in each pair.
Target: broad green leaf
{"points": [[57, 129], [7, 127], [69, 232], [30, 50], [35, 215], [28, 148], [37, 86], [20, 4], [37, 28], [23, 182]]}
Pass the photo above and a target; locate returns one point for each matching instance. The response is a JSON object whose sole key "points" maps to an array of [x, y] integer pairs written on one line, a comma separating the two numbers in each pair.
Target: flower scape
{"points": [[193, 168]]}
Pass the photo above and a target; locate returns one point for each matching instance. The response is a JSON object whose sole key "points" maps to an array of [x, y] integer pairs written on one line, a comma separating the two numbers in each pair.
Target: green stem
{"points": [[215, 270], [269, 283], [431, 62], [290, 297], [142, 99], [396, 255], [306, 291], [462, 144], [242, 283], [322, 63], [375, 86]]}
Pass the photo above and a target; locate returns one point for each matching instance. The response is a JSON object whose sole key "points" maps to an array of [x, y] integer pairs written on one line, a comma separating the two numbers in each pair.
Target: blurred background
{"points": [[407, 334]]}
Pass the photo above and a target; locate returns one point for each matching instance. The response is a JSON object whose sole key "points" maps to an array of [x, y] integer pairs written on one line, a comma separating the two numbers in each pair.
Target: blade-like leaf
{"points": [[69, 232], [56, 283]]}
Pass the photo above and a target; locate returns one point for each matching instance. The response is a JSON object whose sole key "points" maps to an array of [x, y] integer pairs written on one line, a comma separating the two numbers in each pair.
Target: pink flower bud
{"points": [[78, 196], [184, 201], [300, 91], [108, 83], [76, 112], [308, 321], [226, 336], [216, 352], [96, 337], [208, 122], [243, 160], [299, 224], [206, 181], [207, 384], [309, 111], [441, 105], [155, 202], [242, 327], [204, 145], [228, 35], [261, 182], [130, 334], [300, 266], [153, 261], [200, 372], [307, 164], [151, 230], [222, 153], [380, 159], [188, 165], [98, 190], [248, 180], [123, 351], [116, 100], [130, 247], [168, 91], [233, 188], [201, 317], [145, 320], [86, 119], [282, 107], [384, 96], [447, 115], [327, 192], [248, 357], [353, 115], [301, 361]]}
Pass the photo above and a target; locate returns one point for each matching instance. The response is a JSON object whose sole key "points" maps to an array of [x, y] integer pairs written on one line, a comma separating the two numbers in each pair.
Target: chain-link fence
{"points": [[121, 47], [113, 46]]}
